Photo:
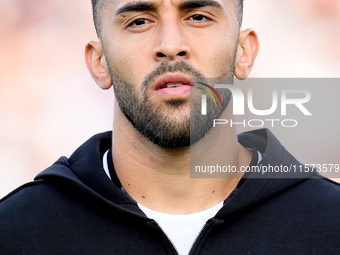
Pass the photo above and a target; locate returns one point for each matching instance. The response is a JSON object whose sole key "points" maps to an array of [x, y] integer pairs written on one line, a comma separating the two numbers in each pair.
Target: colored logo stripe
{"points": [[212, 89], [206, 91]]}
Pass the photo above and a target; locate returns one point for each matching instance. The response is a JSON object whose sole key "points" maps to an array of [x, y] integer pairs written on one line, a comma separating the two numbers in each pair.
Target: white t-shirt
{"points": [[182, 230]]}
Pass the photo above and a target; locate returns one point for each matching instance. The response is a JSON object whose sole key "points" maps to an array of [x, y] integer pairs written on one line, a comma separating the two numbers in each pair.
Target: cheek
{"points": [[215, 49], [127, 62], [224, 60], [217, 59]]}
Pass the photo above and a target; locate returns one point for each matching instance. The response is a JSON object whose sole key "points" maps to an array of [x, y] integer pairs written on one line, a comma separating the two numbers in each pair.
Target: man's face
{"points": [[154, 47]]}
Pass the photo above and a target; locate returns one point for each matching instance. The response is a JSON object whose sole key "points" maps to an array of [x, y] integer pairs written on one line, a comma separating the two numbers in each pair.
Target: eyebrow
{"points": [[136, 6], [144, 6], [190, 4]]}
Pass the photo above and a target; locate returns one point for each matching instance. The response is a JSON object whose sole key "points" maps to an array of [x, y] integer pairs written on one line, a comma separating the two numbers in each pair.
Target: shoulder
{"points": [[321, 189], [29, 199], [315, 198]]}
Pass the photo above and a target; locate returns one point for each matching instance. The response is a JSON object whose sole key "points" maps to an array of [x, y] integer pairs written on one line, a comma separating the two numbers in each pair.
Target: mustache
{"points": [[165, 67]]}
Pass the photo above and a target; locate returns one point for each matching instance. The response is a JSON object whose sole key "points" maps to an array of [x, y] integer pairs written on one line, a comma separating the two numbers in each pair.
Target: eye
{"points": [[138, 23], [199, 18]]}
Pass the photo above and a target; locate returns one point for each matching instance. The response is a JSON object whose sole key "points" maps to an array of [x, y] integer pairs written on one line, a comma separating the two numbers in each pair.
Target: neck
{"points": [[159, 178]]}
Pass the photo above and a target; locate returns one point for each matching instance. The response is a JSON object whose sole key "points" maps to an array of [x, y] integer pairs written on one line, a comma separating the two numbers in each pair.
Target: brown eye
{"points": [[139, 22], [198, 17], [139, 25]]}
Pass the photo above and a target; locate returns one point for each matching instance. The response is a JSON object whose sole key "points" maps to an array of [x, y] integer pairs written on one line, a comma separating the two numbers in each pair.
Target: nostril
{"points": [[160, 55]]}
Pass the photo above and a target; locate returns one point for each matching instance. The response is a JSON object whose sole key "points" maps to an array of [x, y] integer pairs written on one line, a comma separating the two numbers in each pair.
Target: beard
{"points": [[161, 127]]}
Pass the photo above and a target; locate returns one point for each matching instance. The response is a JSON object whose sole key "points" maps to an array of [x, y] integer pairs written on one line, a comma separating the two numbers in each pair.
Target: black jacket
{"points": [[74, 208]]}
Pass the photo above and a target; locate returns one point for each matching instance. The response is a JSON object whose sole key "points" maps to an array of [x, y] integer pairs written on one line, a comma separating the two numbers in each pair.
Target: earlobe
{"points": [[246, 53], [96, 64]]}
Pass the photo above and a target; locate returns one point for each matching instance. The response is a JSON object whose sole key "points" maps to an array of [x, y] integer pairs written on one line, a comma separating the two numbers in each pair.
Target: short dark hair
{"points": [[96, 8], [97, 4]]}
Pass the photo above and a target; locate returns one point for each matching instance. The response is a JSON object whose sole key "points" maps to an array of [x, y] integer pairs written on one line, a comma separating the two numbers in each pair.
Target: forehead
{"points": [[120, 6]]}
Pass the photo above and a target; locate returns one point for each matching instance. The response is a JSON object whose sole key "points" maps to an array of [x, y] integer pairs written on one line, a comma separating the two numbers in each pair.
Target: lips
{"points": [[172, 81], [173, 85]]}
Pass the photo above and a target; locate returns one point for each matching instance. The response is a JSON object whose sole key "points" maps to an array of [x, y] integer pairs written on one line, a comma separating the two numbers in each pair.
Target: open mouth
{"points": [[173, 85], [174, 89]]}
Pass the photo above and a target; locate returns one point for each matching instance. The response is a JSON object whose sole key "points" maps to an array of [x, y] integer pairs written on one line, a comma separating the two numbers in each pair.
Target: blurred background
{"points": [[49, 104]]}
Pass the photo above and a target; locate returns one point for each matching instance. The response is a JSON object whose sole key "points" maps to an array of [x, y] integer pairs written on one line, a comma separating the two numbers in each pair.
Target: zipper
{"points": [[195, 244], [200, 236], [167, 239]]}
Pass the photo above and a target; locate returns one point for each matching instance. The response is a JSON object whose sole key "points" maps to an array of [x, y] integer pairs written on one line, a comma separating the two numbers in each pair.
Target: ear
{"points": [[246, 53], [96, 63]]}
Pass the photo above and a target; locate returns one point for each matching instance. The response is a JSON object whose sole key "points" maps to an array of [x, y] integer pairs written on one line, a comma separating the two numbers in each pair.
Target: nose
{"points": [[171, 45]]}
